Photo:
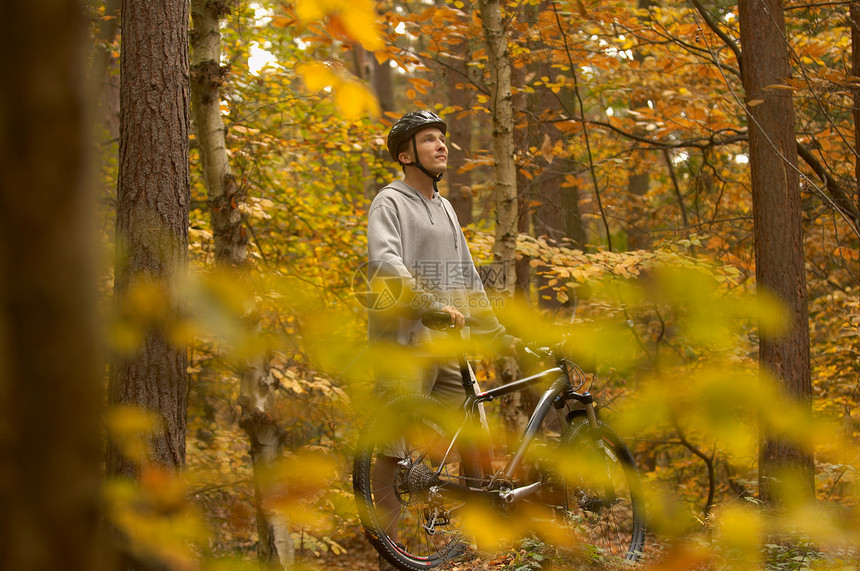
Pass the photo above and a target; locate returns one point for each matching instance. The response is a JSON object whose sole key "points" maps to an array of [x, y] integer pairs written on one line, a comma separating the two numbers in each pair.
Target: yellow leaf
{"points": [[316, 76], [359, 19], [353, 99], [310, 10], [546, 149], [356, 18], [779, 86]]}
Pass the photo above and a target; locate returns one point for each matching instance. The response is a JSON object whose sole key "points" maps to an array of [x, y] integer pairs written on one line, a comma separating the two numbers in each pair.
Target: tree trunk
{"points": [[505, 181], [639, 182], [383, 84], [225, 195], [460, 131], [855, 112], [460, 137], [152, 220], [778, 232], [257, 388], [50, 378]]}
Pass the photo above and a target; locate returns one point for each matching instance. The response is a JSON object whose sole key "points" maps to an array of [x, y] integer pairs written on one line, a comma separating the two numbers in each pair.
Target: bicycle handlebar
{"points": [[441, 320]]}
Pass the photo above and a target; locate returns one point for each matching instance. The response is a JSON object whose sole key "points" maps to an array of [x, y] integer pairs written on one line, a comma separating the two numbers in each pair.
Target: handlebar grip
{"points": [[441, 320]]}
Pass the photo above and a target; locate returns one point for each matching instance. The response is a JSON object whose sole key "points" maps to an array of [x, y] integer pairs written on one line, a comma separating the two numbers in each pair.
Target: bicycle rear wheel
{"points": [[598, 492], [403, 463]]}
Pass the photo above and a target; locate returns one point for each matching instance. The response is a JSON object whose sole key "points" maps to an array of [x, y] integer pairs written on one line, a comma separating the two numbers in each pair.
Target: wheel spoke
{"points": [[604, 498], [415, 524]]}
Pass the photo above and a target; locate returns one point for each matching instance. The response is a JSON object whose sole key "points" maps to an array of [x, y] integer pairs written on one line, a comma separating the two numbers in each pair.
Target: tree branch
{"points": [[841, 199], [584, 129], [712, 24], [699, 142]]}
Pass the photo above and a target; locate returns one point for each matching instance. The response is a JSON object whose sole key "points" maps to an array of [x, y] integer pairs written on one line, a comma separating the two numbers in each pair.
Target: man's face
{"points": [[432, 150]]}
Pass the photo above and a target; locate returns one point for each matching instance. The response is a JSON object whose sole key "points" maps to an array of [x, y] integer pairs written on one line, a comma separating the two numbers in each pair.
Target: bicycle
{"points": [[417, 473]]}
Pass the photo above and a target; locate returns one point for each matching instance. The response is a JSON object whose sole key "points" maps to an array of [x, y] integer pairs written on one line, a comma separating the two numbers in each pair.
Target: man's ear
{"points": [[405, 158]]}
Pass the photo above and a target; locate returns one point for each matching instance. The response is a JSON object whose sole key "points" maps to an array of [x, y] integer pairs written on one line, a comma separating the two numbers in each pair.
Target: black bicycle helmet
{"points": [[406, 127], [405, 130]]}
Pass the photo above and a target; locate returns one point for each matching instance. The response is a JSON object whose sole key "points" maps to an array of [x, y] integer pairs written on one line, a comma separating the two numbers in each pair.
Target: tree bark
{"points": [[460, 131], [383, 84], [50, 379], [854, 17], [639, 182], [505, 180], [777, 217], [460, 137], [257, 386], [152, 220]]}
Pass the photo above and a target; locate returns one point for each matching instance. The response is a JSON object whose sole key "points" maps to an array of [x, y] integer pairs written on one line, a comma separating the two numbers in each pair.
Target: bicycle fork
{"points": [[600, 444]]}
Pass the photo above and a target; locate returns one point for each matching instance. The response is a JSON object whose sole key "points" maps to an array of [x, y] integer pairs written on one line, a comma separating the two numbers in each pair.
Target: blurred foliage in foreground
{"points": [[668, 341]]}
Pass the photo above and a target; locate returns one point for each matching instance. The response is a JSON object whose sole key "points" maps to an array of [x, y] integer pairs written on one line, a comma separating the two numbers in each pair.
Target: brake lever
{"points": [[528, 350]]}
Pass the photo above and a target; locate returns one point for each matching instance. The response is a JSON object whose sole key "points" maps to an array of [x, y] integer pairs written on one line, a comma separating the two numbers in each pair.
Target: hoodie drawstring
{"points": [[427, 210], [453, 226]]}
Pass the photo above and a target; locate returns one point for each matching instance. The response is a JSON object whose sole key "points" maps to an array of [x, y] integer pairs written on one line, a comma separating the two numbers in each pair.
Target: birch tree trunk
{"points": [[50, 365], [777, 217], [257, 391], [501, 102], [504, 275]]}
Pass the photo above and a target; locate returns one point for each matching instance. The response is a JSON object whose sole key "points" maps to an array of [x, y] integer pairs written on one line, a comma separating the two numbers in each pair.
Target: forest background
{"points": [[627, 219]]}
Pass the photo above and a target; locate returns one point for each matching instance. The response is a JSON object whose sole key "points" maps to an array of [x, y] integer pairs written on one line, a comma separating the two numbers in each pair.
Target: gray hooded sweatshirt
{"points": [[417, 247]]}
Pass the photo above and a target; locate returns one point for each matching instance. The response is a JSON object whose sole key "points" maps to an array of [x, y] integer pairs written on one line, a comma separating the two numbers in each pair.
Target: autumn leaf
{"points": [[350, 96], [355, 18]]}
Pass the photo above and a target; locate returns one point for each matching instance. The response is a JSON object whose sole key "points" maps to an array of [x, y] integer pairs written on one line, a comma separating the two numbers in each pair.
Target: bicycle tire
{"points": [[614, 526], [425, 531]]}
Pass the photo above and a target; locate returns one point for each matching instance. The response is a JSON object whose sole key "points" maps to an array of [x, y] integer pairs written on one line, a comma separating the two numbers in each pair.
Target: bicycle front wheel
{"points": [[598, 492], [404, 461]]}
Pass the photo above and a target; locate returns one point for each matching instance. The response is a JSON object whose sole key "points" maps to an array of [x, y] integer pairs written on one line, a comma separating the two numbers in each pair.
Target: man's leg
{"points": [[384, 470]]}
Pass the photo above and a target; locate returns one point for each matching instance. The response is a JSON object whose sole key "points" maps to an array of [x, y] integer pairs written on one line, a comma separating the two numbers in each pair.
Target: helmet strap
{"points": [[436, 177]]}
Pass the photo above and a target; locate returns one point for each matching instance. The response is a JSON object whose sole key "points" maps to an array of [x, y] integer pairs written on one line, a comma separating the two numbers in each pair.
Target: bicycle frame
{"points": [[561, 387], [407, 498]]}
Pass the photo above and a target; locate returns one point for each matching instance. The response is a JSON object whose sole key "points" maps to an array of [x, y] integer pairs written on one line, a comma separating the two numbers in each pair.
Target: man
{"points": [[416, 248], [415, 244], [413, 236]]}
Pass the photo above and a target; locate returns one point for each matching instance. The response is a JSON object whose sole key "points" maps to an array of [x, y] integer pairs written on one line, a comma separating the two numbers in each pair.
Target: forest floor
{"points": [[361, 556]]}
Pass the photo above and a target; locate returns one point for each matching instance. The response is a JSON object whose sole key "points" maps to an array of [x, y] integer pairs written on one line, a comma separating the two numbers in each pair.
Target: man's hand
{"points": [[516, 346], [458, 320]]}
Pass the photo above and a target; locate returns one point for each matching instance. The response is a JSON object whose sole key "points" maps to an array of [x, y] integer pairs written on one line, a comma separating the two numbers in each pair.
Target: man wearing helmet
{"points": [[413, 234], [414, 237]]}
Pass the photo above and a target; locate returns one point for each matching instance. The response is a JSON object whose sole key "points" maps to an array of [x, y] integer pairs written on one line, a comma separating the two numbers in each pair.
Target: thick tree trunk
{"points": [[50, 379], [777, 217], [257, 388], [855, 112], [152, 219]]}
